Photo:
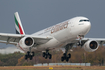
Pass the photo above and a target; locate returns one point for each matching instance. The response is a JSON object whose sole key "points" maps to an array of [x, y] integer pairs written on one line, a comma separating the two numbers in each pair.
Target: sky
{"points": [[36, 15]]}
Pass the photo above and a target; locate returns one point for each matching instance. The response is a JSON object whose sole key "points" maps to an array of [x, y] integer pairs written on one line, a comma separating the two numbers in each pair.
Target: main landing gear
{"points": [[47, 54], [29, 55], [65, 55]]}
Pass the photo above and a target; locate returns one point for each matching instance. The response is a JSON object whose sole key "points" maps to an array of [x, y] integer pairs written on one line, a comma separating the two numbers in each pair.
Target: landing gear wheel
{"points": [[44, 54], [62, 58], [65, 55], [67, 59], [47, 54], [29, 55], [69, 55], [25, 57], [50, 56]]}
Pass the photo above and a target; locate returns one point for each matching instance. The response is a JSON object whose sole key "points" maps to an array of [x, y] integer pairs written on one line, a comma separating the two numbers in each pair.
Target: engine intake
{"points": [[91, 46], [28, 41]]}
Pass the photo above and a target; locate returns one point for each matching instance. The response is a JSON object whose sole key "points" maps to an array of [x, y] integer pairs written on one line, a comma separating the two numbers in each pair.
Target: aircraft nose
{"points": [[87, 27]]}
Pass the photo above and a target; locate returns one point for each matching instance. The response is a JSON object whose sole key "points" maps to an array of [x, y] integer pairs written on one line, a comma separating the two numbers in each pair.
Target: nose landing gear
{"points": [[80, 37], [29, 54]]}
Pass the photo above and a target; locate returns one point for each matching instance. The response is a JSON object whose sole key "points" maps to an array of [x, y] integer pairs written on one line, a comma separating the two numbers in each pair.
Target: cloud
{"points": [[10, 50]]}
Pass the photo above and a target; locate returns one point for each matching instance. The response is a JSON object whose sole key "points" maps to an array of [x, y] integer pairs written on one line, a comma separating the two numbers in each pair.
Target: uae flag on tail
{"points": [[18, 24]]}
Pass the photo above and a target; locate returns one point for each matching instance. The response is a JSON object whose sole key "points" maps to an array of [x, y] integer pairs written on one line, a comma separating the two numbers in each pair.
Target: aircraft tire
{"points": [[28, 53], [67, 59], [50, 56], [62, 58], [69, 55], [25, 57], [31, 57], [44, 54]]}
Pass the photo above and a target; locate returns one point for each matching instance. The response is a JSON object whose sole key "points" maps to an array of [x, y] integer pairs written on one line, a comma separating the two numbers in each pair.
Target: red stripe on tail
{"points": [[21, 32]]}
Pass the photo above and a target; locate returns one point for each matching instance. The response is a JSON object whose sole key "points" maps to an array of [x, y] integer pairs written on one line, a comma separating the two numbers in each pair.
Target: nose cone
{"points": [[86, 27]]}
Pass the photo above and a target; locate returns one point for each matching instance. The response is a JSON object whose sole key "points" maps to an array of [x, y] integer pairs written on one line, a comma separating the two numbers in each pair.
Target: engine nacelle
{"points": [[26, 42], [91, 46]]}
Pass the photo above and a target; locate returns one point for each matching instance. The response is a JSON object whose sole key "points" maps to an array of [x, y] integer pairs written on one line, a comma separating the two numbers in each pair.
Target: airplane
{"points": [[62, 35]]}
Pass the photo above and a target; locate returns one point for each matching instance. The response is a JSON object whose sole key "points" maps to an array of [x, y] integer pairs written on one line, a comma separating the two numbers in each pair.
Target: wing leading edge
{"points": [[15, 38], [101, 41]]}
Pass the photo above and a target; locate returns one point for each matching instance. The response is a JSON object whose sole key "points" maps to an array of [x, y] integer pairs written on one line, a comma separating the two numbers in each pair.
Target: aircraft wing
{"points": [[101, 41], [15, 38]]}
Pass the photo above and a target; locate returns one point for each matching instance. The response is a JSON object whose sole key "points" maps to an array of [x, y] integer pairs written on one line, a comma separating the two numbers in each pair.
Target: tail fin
{"points": [[18, 24]]}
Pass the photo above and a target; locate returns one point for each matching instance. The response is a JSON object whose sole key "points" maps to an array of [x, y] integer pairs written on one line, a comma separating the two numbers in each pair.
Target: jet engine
{"points": [[26, 42], [91, 46]]}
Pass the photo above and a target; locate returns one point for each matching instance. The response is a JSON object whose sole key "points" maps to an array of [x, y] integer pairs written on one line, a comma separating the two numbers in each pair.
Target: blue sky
{"points": [[39, 14]]}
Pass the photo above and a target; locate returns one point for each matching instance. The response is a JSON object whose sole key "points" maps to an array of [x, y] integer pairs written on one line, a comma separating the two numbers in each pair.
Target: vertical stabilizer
{"points": [[18, 24]]}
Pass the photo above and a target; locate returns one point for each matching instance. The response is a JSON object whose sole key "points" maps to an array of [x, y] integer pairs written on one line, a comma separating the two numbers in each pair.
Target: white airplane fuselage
{"points": [[63, 33]]}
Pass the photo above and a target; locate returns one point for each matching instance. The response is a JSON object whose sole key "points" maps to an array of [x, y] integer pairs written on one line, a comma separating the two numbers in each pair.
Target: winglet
{"points": [[18, 24]]}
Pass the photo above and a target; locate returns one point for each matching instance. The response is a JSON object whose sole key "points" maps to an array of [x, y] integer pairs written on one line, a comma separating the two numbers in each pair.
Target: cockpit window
{"points": [[84, 20]]}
